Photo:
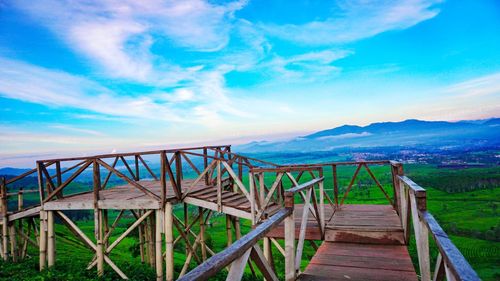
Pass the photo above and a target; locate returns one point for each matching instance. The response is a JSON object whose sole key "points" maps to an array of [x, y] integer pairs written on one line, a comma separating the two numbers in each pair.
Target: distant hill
{"points": [[405, 133], [12, 171]]}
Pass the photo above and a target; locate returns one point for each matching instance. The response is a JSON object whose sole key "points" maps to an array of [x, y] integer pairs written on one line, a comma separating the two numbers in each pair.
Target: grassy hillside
{"points": [[469, 217]]}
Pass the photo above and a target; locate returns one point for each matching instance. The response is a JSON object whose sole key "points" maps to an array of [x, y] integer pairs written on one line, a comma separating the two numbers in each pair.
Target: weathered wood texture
{"points": [[373, 224], [363, 262], [216, 263], [119, 197]]}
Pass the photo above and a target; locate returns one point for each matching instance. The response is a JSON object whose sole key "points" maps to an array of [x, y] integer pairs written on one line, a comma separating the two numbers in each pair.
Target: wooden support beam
{"points": [[290, 273], [158, 244], [73, 227], [238, 267], [422, 240], [263, 263], [169, 238], [43, 240], [51, 242], [229, 232], [202, 235], [13, 242], [3, 209]]}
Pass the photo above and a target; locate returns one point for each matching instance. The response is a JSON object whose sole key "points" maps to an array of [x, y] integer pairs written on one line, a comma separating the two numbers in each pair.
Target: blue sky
{"points": [[102, 76]]}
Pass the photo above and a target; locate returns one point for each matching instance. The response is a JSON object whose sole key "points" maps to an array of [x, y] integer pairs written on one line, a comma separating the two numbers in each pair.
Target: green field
{"points": [[469, 217]]}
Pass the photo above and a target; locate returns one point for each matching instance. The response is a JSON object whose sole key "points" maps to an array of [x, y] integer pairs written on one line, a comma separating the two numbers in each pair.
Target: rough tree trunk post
{"points": [[43, 240], [290, 273], [169, 238], [51, 242], [158, 244]]}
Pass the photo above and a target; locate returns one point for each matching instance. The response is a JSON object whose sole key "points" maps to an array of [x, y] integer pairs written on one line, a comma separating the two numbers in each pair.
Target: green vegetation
{"points": [[467, 211]]}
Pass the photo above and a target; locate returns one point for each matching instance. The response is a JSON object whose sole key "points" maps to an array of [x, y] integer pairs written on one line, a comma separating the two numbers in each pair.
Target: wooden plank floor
{"points": [[372, 224], [312, 230], [377, 224], [119, 196], [128, 197], [351, 261]]}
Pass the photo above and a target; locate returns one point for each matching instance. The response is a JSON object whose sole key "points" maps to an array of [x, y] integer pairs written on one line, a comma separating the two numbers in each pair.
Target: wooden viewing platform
{"points": [[287, 206]]}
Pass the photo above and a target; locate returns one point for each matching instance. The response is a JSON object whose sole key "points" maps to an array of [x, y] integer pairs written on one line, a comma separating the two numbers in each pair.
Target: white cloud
{"points": [[309, 66], [207, 96], [357, 20], [54, 88], [77, 130], [477, 87], [345, 136], [118, 35]]}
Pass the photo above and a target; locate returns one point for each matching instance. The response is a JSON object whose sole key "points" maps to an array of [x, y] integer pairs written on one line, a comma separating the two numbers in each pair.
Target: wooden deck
{"points": [[120, 197], [128, 197], [370, 224], [235, 204], [352, 261]]}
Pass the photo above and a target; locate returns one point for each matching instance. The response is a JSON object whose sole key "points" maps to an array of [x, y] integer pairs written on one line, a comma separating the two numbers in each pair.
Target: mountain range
{"points": [[406, 133]]}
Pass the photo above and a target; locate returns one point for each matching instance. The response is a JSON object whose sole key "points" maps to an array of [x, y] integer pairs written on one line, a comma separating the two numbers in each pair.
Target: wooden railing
{"points": [[337, 199], [174, 164], [238, 254], [293, 257], [450, 263], [262, 195], [12, 231]]}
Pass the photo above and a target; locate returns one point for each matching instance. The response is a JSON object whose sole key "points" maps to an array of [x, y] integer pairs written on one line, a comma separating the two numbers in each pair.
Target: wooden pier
{"points": [[287, 206]]}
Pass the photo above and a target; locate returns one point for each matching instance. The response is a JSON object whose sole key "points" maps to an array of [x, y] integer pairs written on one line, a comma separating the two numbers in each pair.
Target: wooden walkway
{"points": [[362, 242], [374, 224], [128, 197], [353, 261]]}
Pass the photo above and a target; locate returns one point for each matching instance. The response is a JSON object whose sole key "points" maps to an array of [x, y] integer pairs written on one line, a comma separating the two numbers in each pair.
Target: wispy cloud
{"points": [[73, 129], [477, 87], [201, 102], [356, 20], [118, 35], [309, 66]]}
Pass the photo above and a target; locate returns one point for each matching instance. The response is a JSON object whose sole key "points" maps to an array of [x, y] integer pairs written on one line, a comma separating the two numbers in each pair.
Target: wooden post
{"points": [[51, 246], [421, 238], [404, 213], [267, 250], [262, 191], [321, 205], [4, 206], [137, 177], [396, 170], [98, 231], [141, 242], [229, 232], [13, 241], [202, 234], [20, 203], [151, 239], [59, 176], [335, 186], [290, 273], [169, 239], [251, 185], [205, 164], [43, 240], [158, 244], [219, 187], [105, 221], [39, 167]]}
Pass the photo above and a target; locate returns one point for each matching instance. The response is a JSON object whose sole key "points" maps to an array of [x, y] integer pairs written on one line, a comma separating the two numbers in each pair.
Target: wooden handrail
{"points": [[299, 188], [453, 258], [450, 260], [113, 155], [219, 261]]}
